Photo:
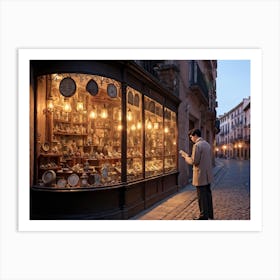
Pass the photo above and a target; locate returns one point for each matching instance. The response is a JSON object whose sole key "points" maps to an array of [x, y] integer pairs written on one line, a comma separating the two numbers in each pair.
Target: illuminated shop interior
{"points": [[80, 123]]}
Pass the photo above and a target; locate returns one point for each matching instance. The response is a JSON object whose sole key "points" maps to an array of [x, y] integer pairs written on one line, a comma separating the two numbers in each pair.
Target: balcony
{"points": [[197, 82], [150, 66]]}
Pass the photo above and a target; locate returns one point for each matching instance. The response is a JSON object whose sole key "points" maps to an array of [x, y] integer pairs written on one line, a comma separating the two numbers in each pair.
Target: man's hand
{"points": [[183, 154]]}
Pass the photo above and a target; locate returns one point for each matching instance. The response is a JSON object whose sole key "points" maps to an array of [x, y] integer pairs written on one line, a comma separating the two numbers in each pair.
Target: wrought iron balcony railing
{"points": [[197, 81]]}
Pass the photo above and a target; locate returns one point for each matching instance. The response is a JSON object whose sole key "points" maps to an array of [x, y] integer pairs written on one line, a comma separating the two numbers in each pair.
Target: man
{"points": [[201, 160]]}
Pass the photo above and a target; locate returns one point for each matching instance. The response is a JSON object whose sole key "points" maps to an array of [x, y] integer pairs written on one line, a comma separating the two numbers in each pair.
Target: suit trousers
{"points": [[205, 203]]}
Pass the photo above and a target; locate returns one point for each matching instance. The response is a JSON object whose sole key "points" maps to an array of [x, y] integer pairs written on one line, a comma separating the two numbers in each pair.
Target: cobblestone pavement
{"points": [[230, 191]]}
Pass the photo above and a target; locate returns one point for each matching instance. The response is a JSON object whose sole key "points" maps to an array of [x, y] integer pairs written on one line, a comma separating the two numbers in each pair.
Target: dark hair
{"points": [[195, 131]]}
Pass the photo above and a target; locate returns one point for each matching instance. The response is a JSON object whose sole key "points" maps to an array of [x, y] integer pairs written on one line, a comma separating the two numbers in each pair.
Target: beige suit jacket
{"points": [[201, 160]]}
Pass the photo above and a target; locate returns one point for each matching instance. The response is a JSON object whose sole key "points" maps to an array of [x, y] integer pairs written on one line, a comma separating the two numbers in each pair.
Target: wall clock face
{"points": [[67, 87], [112, 90], [92, 87], [73, 180], [48, 176]]}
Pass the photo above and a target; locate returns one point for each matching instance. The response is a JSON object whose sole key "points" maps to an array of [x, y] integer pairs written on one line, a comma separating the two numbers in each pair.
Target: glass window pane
{"points": [[153, 138], [78, 127], [134, 135]]}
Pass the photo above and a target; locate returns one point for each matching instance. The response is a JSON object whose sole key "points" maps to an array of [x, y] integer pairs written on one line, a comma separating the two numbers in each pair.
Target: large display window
{"points": [[79, 131]]}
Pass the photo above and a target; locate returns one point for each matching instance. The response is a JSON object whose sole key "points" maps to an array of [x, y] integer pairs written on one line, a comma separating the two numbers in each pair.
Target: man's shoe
{"points": [[200, 218]]}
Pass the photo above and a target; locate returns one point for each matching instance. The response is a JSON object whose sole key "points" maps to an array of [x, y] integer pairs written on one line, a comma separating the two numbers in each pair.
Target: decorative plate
{"points": [[112, 90], [73, 180], [92, 87], [48, 176], [67, 87], [61, 183], [45, 147]]}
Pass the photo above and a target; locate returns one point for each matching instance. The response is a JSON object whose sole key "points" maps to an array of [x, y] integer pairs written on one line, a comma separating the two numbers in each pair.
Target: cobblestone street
{"points": [[230, 191]]}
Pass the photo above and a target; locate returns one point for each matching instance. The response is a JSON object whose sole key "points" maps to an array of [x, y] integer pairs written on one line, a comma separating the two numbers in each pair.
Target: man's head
{"points": [[194, 134]]}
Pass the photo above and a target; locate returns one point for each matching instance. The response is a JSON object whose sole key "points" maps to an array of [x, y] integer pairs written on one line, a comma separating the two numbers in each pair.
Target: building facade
{"points": [[105, 135], [233, 141]]}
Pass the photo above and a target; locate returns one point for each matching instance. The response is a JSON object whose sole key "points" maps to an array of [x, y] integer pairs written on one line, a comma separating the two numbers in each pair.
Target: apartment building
{"points": [[233, 141]]}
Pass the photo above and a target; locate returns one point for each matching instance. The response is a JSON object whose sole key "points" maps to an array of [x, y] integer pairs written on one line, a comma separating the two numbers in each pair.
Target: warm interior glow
{"points": [[156, 125], [80, 106], [133, 127], [139, 125], [67, 107], [93, 114], [149, 125], [166, 130], [104, 113], [129, 115], [119, 127]]}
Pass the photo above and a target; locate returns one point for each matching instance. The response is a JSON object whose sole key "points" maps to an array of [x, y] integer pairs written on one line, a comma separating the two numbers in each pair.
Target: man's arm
{"points": [[187, 158]]}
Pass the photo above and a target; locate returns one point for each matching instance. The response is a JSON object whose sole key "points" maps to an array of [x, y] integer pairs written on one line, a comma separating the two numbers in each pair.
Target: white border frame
{"points": [[24, 57]]}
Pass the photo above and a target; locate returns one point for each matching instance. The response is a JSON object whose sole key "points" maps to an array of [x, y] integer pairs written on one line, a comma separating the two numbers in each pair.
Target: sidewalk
{"points": [[179, 206]]}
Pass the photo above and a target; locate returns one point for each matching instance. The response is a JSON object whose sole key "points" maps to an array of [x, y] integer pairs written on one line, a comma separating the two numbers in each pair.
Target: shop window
{"points": [[78, 121], [134, 135], [154, 132]]}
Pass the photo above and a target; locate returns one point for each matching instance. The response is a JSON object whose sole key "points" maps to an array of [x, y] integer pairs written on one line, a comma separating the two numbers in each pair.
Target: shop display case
{"points": [[79, 130], [79, 125], [103, 141]]}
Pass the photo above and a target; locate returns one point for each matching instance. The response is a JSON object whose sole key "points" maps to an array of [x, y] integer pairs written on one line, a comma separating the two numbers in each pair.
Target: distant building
{"points": [[233, 140]]}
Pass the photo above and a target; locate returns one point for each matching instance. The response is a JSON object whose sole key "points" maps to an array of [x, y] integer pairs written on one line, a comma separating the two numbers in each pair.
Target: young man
{"points": [[201, 160]]}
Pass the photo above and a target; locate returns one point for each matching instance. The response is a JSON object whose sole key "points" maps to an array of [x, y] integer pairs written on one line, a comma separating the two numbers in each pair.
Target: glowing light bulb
{"points": [[139, 125], [104, 113], [166, 129], [80, 106], [149, 125], [67, 107], [156, 125], [129, 115], [93, 114]]}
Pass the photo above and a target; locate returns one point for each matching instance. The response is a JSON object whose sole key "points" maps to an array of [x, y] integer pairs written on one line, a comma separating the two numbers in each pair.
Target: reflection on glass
{"points": [[153, 138], [134, 135]]}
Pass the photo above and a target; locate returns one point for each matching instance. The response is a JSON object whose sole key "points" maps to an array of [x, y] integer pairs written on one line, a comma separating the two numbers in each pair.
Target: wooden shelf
{"points": [[70, 134]]}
